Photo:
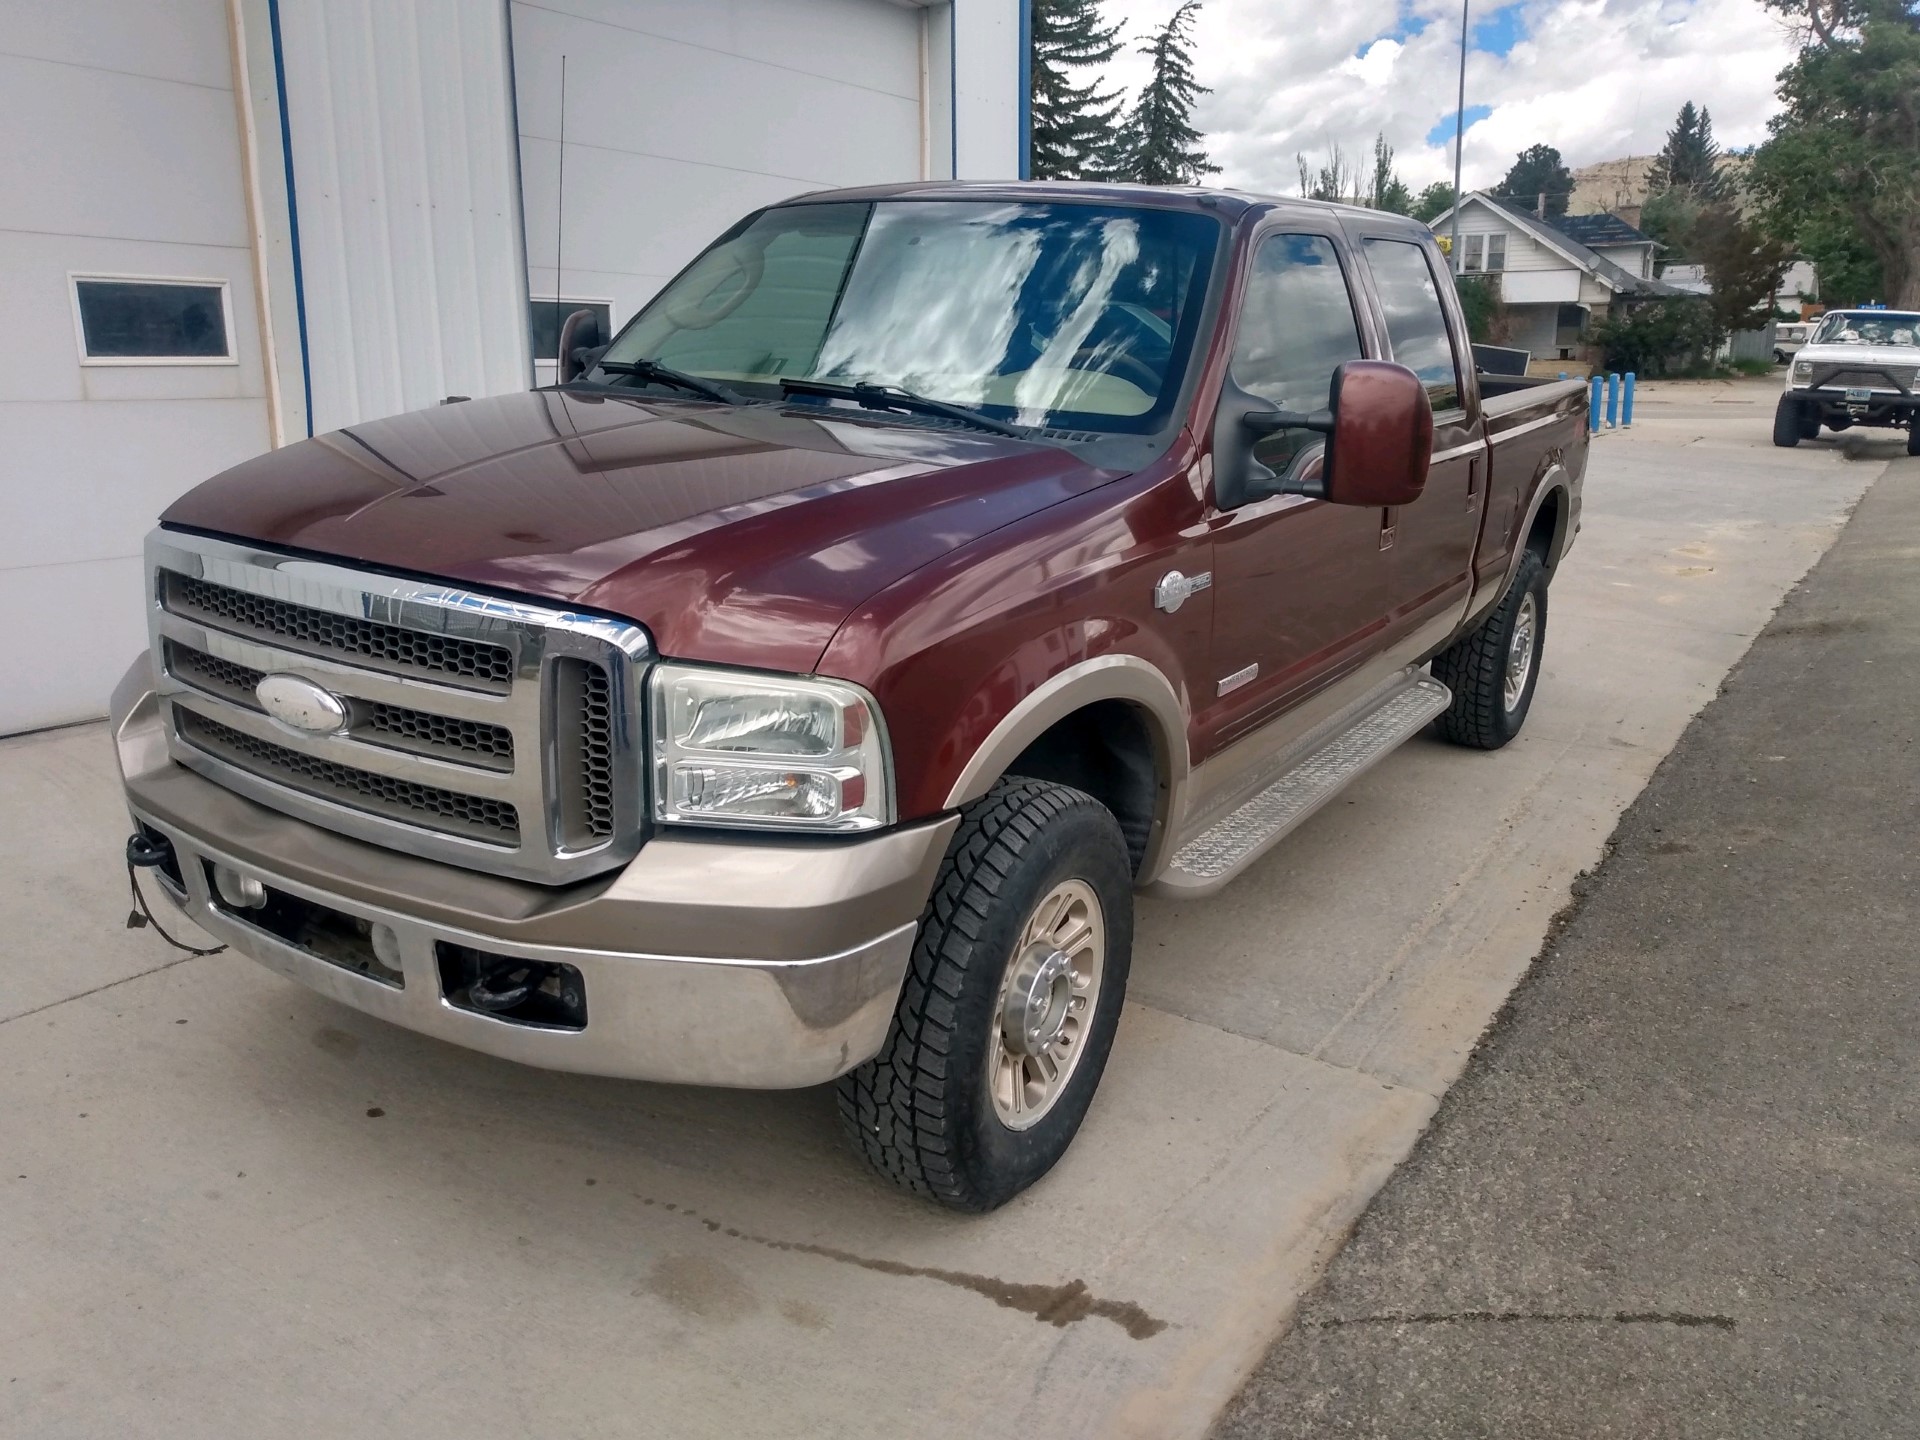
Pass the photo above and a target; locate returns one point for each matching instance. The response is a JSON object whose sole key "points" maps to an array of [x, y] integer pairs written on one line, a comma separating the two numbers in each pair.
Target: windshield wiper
{"points": [[891, 397], [660, 374]]}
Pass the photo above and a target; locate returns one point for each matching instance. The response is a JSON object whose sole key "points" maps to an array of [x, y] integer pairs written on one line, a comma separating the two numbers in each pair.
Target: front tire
{"points": [[1787, 431], [1010, 1002], [1493, 668], [1913, 436]]}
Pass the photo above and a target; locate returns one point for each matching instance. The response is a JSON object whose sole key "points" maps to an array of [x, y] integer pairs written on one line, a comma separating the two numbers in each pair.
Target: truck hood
{"points": [[1867, 355], [740, 535]]}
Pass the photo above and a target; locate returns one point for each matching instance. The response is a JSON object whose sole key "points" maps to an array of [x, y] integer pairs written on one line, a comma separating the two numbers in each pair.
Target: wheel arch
{"points": [[1114, 726]]}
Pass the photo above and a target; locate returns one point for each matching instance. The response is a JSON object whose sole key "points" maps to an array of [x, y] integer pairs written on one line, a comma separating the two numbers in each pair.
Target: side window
{"points": [[1297, 327], [1416, 324]]}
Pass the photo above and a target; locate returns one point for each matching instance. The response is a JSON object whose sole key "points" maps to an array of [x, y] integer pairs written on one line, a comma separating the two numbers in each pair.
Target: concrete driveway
{"points": [[231, 1208]]}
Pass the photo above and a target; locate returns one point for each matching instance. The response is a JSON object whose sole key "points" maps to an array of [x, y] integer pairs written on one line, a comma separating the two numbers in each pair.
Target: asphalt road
{"points": [[1677, 1192], [228, 1206]]}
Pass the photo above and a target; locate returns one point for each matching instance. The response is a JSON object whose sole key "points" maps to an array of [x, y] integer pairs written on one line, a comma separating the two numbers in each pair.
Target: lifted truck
{"points": [[800, 690], [1859, 368]]}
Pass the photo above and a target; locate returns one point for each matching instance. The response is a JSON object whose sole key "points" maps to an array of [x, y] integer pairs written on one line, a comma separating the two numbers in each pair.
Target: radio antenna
{"points": [[560, 223]]}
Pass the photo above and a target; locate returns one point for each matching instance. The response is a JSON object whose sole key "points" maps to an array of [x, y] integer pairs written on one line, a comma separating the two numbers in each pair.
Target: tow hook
{"points": [[148, 852], [505, 986]]}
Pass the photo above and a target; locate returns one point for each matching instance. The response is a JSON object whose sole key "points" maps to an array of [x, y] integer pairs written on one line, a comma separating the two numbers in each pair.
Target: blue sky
{"points": [[1596, 79], [1442, 133]]}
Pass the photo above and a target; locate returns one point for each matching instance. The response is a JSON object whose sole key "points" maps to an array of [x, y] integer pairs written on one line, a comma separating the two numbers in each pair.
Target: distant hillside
{"points": [[1620, 187]]}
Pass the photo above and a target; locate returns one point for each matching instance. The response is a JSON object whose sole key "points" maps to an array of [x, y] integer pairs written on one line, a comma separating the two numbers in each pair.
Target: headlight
{"points": [[737, 749], [1802, 371]]}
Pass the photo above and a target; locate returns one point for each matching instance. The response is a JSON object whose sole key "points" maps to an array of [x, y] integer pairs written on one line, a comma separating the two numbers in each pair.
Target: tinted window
{"points": [[1075, 316], [545, 317], [1296, 328], [1416, 324], [152, 320]]}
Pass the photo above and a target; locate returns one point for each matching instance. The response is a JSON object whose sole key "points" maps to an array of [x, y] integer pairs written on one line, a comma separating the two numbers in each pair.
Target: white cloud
{"points": [[1596, 79]]}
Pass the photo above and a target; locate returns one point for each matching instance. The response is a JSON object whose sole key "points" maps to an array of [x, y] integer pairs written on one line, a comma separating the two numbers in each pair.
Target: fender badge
{"points": [[1175, 589]]}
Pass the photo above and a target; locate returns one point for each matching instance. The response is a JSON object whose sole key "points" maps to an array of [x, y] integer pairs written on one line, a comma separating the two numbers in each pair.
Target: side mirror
{"points": [[1379, 429], [579, 332]]}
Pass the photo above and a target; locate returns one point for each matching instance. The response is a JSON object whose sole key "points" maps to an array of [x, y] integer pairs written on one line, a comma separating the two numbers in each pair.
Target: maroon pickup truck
{"points": [[799, 691]]}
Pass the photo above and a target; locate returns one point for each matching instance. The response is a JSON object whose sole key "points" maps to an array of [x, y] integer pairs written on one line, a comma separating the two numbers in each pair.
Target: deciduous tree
{"points": [[1387, 191], [1539, 181], [1433, 202], [1840, 172]]}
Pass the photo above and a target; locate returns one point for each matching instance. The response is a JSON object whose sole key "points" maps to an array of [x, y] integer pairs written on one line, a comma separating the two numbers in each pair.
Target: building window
{"points": [[1475, 259], [148, 320], [1496, 252], [545, 317]]}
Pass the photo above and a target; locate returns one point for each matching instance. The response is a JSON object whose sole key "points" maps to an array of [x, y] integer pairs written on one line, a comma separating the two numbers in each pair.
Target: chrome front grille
{"points": [[303, 627], [493, 821], [482, 731], [473, 742], [1893, 379]]}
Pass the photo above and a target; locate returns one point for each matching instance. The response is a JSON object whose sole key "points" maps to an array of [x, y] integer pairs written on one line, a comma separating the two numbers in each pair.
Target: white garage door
{"points": [[681, 118], [131, 367]]}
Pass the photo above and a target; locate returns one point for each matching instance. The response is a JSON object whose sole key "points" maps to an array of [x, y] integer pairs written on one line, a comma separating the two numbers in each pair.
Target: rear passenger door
{"points": [[1300, 585], [1434, 537]]}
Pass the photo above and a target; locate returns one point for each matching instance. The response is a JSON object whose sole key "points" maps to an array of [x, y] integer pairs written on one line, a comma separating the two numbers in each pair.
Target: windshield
{"points": [[1874, 327], [1071, 316]]}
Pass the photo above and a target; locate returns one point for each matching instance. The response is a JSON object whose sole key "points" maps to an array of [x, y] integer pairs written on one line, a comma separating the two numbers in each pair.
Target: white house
{"points": [[1553, 283], [226, 224]]}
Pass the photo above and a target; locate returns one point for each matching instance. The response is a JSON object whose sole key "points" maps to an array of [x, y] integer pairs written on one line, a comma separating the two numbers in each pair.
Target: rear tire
{"points": [[1787, 431], [1913, 436], [1494, 668], [1010, 1003]]}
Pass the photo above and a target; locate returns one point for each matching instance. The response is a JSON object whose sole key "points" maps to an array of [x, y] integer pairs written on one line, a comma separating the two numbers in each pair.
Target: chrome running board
{"points": [[1230, 844]]}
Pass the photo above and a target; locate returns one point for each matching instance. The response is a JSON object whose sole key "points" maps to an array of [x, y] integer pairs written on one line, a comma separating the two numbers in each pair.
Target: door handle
{"points": [[1389, 526], [1473, 482]]}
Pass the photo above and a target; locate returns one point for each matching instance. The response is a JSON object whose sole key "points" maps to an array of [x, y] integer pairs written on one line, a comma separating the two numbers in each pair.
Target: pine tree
{"points": [[1539, 182], [1163, 147], [1686, 162], [1075, 127]]}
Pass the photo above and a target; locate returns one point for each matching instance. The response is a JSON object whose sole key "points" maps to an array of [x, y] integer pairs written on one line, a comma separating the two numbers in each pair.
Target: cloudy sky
{"points": [[1596, 78]]}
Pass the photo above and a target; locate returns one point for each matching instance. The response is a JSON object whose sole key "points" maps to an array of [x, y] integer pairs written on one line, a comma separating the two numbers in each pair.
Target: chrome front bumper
{"points": [[765, 964]]}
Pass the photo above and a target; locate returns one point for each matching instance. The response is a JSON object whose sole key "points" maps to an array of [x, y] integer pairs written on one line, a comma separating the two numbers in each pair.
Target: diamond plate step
{"points": [[1230, 844]]}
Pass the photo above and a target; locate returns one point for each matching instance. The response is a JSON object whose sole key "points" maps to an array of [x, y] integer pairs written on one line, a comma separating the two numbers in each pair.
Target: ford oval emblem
{"points": [[301, 705]]}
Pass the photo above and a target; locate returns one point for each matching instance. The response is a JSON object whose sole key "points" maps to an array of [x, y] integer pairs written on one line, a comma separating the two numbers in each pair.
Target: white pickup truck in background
{"points": [[1858, 368]]}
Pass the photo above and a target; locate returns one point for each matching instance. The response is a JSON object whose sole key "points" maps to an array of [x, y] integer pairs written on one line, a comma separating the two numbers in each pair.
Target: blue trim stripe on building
{"points": [[293, 210], [1026, 89]]}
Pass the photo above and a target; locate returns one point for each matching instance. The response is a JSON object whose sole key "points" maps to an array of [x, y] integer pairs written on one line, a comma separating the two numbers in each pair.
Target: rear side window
{"points": [[1416, 324]]}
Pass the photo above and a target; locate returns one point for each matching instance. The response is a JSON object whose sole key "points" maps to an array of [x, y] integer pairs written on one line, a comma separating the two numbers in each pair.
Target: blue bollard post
{"points": [[1613, 399], [1563, 374], [1593, 407], [1626, 404]]}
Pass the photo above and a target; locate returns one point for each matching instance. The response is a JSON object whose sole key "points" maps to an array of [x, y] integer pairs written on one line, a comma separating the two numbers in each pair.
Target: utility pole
{"points": [[1459, 138]]}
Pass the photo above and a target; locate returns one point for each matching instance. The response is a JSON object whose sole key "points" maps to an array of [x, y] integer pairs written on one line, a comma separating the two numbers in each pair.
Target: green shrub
{"points": [[1659, 337]]}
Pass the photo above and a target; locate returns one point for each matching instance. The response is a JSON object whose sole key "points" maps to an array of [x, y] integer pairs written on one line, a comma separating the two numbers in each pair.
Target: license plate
{"points": [[1858, 395]]}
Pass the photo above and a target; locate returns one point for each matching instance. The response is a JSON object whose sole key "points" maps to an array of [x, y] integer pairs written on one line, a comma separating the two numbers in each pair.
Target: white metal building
{"points": [[226, 224]]}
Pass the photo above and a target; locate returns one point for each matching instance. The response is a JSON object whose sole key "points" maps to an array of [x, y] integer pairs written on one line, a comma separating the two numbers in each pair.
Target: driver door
{"points": [[1301, 585]]}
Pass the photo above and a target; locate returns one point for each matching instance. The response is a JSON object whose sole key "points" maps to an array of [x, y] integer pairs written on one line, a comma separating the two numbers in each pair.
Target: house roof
{"points": [[1623, 282], [1601, 229]]}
